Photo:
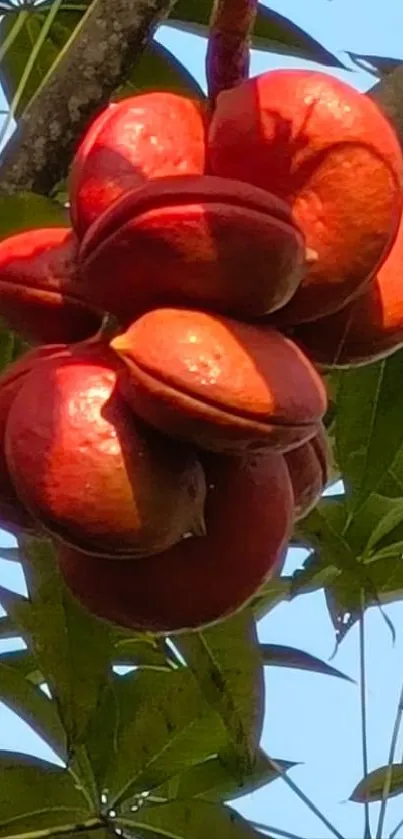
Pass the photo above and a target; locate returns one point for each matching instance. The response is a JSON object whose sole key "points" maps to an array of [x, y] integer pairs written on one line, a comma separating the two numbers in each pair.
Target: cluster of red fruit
{"points": [[236, 250]]}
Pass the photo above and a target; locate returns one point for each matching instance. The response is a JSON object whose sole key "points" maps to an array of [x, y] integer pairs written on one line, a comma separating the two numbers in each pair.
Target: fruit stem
{"points": [[228, 50]]}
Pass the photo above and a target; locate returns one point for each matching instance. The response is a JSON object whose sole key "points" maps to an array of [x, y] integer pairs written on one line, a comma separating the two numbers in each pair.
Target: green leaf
{"points": [[275, 591], [225, 661], [25, 663], [36, 796], [140, 651], [379, 65], [26, 210], [369, 430], [8, 628], [159, 69], [73, 649], [279, 656], [15, 60], [150, 726], [272, 31], [191, 818], [371, 787], [30, 703], [213, 781]]}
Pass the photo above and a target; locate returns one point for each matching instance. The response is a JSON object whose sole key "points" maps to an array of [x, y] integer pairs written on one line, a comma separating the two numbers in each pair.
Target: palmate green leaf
{"points": [[273, 32], [149, 726], [159, 69], [190, 818], [30, 703], [26, 210], [73, 649], [276, 655], [227, 665], [369, 430], [140, 651], [345, 554], [36, 796], [15, 60], [213, 781], [371, 787], [272, 593]]}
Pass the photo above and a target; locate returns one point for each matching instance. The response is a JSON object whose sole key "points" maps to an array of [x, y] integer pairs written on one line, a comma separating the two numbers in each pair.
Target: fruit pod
{"points": [[367, 329], [224, 385], [330, 153], [249, 514], [14, 517], [308, 466], [88, 471], [203, 241], [40, 291], [130, 141]]}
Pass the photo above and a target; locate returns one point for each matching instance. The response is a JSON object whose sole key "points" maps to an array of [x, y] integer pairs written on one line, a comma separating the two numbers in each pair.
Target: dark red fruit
{"points": [[88, 471], [224, 385], [249, 514], [328, 151], [138, 138], [14, 517], [308, 466], [205, 241], [40, 290]]}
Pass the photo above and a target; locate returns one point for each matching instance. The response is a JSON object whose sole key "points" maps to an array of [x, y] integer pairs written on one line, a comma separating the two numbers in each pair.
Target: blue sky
{"points": [[311, 719]]}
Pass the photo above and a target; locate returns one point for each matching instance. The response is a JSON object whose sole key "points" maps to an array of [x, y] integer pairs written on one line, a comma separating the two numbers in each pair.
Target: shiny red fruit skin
{"points": [[193, 240], [331, 154], [141, 137], [93, 475], [309, 467], [224, 385], [14, 517], [249, 515], [40, 289]]}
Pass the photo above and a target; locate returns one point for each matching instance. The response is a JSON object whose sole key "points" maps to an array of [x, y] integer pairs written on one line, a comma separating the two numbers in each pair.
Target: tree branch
{"points": [[98, 58]]}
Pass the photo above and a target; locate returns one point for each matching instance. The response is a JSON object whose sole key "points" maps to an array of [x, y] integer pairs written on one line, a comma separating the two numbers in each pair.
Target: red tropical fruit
{"points": [[14, 517], [89, 471], [194, 240], [130, 141], [308, 466], [224, 385], [328, 151], [40, 291], [368, 328], [249, 514]]}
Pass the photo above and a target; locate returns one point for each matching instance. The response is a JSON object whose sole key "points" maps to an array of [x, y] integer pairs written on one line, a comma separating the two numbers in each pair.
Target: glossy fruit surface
{"points": [[330, 153], [193, 240], [308, 466], [40, 291], [249, 513], [368, 328], [14, 517], [140, 137], [90, 472], [222, 384]]}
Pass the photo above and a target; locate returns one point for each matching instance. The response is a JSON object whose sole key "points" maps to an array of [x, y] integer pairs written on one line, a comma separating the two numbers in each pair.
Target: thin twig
{"points": [[228, 50], [388, 776], [363, 697]]}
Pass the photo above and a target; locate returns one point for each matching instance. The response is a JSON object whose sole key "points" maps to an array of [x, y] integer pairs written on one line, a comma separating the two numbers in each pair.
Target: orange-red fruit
{"points": [[130, 141], [13, 515], [197, 240], [221, 384], [89, 471], [330, 153], [308, 466], [249, 512], [368, 328], [40, 291]]}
